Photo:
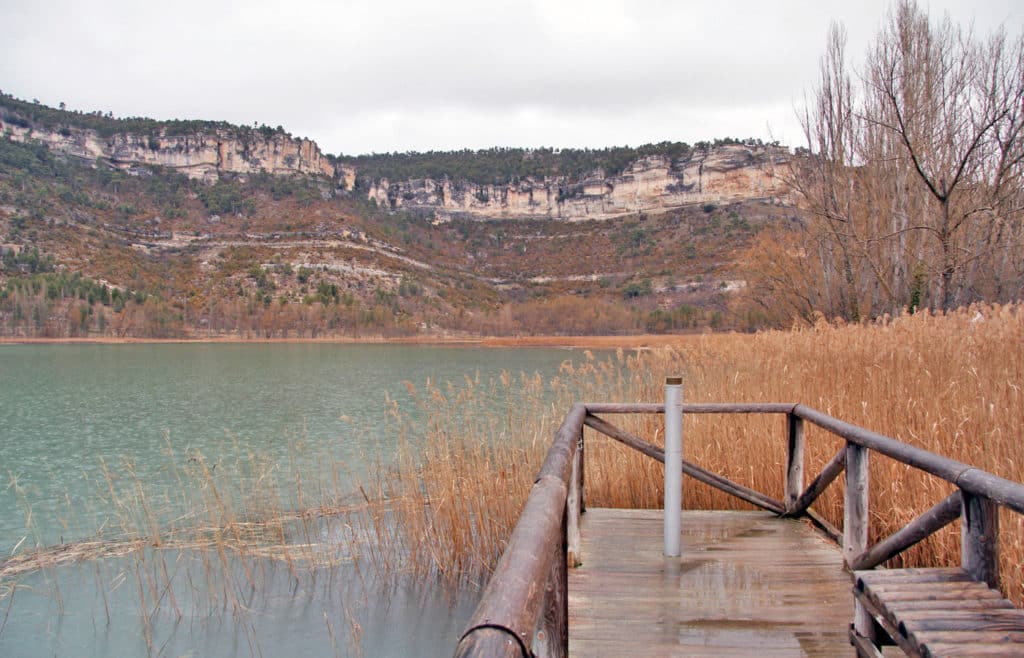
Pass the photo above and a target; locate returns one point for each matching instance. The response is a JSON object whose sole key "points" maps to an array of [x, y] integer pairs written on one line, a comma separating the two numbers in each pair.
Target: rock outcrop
{"points": [[207, 150], [199, 155], [652, 184]]}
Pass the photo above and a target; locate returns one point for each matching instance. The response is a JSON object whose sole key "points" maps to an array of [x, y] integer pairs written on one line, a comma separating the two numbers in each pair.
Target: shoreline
{"points": [[583, 342]]}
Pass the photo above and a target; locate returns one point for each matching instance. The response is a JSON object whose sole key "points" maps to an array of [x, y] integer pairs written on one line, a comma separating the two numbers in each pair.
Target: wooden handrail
{"points": [[967, 477], [692, 408], [523, 609], [509, 618]]}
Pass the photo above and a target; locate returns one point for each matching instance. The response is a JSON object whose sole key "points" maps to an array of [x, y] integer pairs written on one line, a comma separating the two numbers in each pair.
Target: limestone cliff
{"points": [[205, 150], [652, 184], [200, 155]]}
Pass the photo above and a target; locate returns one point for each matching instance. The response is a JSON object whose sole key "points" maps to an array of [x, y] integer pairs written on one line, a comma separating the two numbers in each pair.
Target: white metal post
{"points": [[673, 464]]}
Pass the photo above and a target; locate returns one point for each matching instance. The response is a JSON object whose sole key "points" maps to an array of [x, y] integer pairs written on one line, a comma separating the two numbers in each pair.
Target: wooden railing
{"points": [[523, 611]]}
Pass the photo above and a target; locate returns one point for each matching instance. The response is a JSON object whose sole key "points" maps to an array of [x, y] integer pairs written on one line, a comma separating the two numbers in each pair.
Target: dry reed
{"points": [[950, 383]]}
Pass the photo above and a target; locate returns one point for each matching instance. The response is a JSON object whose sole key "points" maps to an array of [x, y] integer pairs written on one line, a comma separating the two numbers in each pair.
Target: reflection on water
{"points": [[192, 603]]}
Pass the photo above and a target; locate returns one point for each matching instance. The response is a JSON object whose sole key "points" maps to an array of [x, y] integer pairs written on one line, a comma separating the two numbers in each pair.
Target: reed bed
{"points": [[950, 383]]}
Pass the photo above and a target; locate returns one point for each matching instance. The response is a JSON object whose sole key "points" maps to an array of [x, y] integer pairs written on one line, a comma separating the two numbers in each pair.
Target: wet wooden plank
{"points": [[746, 583], [970, 651], [933, 612]]}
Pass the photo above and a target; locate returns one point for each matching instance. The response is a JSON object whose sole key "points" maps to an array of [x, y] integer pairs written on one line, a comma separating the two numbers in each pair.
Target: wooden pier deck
{"points": [[747, 583]]}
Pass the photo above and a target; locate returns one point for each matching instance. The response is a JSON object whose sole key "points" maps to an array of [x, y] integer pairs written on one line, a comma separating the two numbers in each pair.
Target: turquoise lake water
{"points": [[77, 420]]}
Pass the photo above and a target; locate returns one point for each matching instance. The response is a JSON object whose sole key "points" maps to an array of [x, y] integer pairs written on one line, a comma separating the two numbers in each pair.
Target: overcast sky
{"points": [[384, 75]]}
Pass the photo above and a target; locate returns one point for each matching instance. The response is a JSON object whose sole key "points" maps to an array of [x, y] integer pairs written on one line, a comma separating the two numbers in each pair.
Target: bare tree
{"points": [[953, 107], [912, 178]]}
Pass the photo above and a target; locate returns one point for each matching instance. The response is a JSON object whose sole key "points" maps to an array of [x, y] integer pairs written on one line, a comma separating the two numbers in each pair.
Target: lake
{"points": [[86, 427]]}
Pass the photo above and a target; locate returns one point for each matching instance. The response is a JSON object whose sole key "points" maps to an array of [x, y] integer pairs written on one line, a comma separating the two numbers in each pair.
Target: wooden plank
{"points": [[898, 607], [927, 593], [922, 611], [915, 618], [972, 637], [865, 647], [834, 534], [961, 588], [963, 624], [962, 651], [887, 632], [880, 576], [746, 583]]}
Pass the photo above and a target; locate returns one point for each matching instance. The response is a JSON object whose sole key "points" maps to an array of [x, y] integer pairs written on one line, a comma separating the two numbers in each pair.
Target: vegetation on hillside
{"points": [[264, 256], [509, 165], [38, 116]]}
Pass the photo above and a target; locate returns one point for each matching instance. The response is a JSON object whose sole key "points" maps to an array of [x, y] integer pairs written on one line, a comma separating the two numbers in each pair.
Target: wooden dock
{"points": [[747, 583]]}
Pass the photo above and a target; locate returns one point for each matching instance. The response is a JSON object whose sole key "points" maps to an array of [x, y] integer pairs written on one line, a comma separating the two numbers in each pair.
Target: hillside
{"points": [[134, 227]]}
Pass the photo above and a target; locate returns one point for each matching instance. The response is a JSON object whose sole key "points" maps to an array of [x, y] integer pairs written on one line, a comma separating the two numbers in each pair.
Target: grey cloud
{"points": [[387, 75]]}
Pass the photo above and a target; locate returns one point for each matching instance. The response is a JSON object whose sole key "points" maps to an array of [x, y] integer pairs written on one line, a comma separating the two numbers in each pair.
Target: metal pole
{"points": [[673, 464]]}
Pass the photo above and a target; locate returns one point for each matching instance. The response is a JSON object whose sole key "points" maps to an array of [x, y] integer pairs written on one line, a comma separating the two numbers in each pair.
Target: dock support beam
{"points": [[673, 464], [855, 526], [979, 538]]}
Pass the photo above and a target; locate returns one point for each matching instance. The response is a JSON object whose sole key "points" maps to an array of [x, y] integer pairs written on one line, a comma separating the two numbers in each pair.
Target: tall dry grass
{"points": [[949, 383]]}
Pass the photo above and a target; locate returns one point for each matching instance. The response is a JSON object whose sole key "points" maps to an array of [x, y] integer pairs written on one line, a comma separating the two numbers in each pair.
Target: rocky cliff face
{"points": [[649, 185], [201, 156], [206, 150]]}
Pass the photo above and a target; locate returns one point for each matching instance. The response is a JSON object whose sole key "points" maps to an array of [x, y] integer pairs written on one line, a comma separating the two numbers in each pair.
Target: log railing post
{"points": [[573, 503], [855, 524], [855, 507], [794, 461], [583, 472], [979, 538]]}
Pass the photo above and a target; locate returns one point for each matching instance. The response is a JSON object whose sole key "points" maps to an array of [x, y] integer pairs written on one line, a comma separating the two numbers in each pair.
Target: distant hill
{"points": [[137, 227]]}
